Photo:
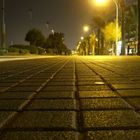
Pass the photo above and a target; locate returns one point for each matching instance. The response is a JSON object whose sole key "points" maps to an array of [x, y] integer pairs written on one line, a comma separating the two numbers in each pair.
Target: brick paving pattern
{"points": [[70, 98]]}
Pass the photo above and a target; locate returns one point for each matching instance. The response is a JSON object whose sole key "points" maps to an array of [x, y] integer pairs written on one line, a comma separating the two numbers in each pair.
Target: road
{"points": [[20, 57], [70, 98]]}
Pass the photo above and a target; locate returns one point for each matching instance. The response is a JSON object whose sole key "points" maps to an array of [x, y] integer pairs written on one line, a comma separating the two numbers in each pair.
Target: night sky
{"points": [[67, 16]]}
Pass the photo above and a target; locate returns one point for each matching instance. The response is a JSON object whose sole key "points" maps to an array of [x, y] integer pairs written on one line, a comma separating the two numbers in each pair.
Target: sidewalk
{"points": [[70, 98]]}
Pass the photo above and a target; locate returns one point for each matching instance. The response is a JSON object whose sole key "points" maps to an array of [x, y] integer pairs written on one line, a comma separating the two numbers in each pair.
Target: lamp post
{"points": [[86, 30], [47, 27], [117, 19], [122, 5], [138, 53], [30, 11], [3, 34]]}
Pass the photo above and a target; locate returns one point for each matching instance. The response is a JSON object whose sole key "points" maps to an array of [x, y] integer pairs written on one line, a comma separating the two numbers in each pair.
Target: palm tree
{"points": [[97, 25]]}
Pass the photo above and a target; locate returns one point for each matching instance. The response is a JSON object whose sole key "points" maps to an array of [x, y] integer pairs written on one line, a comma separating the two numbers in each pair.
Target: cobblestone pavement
{"points": [[70, 98]]}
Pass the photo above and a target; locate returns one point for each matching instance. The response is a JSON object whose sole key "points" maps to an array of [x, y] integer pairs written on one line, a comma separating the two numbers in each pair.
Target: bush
{"points": [[13, 50], [33, 49], [3, 51], [19, 49], [25, 49], [50, 51], [18, 46], [41, 50]]}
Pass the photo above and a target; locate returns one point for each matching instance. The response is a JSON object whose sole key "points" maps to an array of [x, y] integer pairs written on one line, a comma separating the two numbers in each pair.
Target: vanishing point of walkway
{"points": [[70, 98]]}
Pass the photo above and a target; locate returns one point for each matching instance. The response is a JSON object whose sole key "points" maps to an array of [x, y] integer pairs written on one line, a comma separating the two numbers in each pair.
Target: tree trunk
{"points": [[102, 45], [98, 48]]}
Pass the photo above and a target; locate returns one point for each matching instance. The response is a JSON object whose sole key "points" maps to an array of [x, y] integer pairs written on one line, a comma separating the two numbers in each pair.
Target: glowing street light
{"points": [[86, 28], [101, 2], [82, 38], [52, 30]]}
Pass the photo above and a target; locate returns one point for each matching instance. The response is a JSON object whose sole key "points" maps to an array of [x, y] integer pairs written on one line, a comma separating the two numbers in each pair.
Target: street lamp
{"points": [[30, 11], [86, 28], [117, 19], [3, 39], [138, 53], [52, 30], [82, 38], [47, 27], [99, 2]]}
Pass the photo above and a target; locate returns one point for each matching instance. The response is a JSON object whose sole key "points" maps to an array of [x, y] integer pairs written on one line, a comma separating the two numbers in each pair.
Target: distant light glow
{"points": [[82, 37], [96, 39], [86, 28], [100, 2], [52, 30]]}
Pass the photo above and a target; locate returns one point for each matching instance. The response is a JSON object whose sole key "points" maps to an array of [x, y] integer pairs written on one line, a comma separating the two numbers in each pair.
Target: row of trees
{"points": [[38, 44], [104, 30], [53, 44], [100, 42], [87, 45]]}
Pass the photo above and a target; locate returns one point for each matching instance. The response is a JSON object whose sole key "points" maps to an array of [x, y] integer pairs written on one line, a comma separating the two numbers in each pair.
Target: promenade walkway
{"points": [[70, 98]]}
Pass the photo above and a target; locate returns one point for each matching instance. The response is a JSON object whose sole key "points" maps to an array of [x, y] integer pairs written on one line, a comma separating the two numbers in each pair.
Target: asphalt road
{"points": [[70, 98]]}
